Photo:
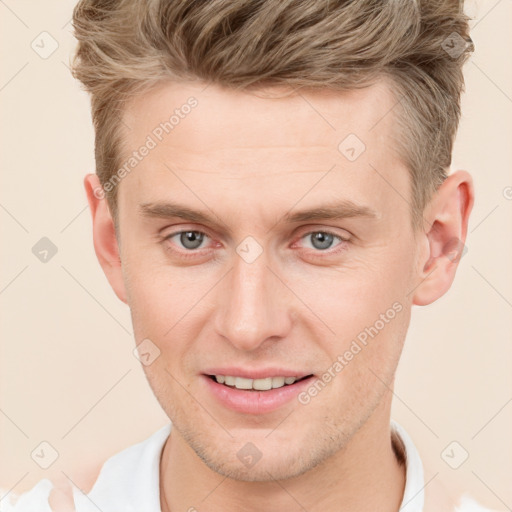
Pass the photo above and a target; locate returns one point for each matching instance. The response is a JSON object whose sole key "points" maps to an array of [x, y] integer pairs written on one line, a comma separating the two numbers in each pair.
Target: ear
{"points": [[104, 235], [446, 216]]}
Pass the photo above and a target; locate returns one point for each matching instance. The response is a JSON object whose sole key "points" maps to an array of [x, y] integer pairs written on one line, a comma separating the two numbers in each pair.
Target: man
{"points": [[272, 197]]}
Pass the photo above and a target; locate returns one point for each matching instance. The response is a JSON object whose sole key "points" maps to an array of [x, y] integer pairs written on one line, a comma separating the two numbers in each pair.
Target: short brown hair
{"points": [[127, 46]]}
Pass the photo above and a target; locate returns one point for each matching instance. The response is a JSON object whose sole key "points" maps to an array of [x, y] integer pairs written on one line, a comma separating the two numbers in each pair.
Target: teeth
{"points": [[262, 384], [229, 381], [241, 383], [257, 384], [277, 382]]}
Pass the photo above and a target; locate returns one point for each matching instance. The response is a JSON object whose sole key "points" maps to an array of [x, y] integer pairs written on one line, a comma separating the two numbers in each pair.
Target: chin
{"points": [[262, 471]]}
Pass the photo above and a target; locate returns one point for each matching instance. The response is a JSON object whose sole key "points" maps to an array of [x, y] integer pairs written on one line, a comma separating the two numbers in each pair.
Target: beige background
{"points": [[68, 375]]}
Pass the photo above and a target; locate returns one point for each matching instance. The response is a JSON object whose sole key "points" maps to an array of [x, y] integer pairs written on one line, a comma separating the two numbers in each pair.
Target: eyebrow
{"points": [[339, 210]]}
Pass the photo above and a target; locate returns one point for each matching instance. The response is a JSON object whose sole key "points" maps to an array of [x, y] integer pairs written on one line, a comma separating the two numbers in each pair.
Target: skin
{"points": [[247, 159]]}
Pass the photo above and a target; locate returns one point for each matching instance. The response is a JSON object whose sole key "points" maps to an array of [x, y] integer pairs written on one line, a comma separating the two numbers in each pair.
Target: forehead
{"points": [[264, 141], [301, 117]]}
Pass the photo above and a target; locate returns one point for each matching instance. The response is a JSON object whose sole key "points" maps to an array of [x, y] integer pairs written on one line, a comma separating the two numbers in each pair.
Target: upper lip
{"points": [[256, 373]]}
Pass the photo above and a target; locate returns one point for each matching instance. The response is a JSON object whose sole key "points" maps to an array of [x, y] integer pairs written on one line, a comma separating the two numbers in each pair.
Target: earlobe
{"points": [[448, 214], [104, 236]]}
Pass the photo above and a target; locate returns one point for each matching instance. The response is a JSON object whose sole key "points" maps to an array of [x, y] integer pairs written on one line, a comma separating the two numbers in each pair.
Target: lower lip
{"points": [[255, 402]]}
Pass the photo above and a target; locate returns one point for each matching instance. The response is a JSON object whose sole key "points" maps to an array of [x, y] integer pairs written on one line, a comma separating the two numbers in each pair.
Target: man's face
{"points": [[258, 290]]}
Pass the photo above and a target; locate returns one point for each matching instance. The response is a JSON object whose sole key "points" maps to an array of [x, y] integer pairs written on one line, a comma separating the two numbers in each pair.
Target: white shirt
{"points": [[129, 482]]}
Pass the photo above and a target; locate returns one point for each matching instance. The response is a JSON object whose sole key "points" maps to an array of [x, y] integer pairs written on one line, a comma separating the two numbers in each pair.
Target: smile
{"points": [[254, 396], [256, 384]]}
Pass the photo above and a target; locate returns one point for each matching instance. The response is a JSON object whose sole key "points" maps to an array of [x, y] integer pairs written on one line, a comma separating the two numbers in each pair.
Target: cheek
{"points": [[166, 308], [365, 307], [344, 299], [354, 294], [154, 299]]}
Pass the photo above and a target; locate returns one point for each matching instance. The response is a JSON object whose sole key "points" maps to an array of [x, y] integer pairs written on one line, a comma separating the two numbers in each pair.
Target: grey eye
{"points": [[191, 239], [321, 240]]}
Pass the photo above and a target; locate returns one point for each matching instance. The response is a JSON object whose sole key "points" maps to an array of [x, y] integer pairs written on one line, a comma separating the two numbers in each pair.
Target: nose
{"points": [[253, 305]]}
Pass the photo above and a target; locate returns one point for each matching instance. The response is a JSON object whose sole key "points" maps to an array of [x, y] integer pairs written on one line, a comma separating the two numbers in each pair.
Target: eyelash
{"points": [[191, 253]]}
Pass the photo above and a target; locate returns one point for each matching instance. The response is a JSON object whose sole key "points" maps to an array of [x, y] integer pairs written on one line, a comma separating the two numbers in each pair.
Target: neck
{"points": [[367, 474]]}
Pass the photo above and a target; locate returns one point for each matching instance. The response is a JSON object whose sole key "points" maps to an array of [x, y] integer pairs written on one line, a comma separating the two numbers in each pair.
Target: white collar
{"points": [[414, 494], [129, 480]]}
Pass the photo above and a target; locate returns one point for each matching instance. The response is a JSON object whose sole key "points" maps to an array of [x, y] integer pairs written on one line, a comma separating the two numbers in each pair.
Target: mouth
{"points": [[262, 384], [258, 396]]}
